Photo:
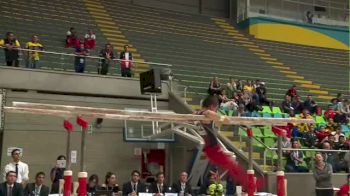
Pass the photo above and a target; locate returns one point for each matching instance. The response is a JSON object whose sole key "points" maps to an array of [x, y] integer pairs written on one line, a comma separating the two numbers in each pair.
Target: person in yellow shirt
{"points": [[304, 127], [11, 44], [32, 56]]}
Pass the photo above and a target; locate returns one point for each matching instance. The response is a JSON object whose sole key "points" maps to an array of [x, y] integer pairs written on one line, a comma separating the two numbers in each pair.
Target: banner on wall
{"points": [[2, 112]]}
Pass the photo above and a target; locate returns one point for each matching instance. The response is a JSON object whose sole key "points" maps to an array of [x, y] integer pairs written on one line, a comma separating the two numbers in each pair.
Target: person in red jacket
{"points": [[344, 189], [126, 62], [292, 91]]}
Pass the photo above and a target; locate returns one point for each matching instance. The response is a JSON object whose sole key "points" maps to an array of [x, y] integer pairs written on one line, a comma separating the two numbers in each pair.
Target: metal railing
{"points": [[65, 61]]}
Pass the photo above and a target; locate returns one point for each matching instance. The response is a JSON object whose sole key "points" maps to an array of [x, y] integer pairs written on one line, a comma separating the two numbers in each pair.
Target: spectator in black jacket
{"points": [[134, 186], [160, 187], [182, 187]]}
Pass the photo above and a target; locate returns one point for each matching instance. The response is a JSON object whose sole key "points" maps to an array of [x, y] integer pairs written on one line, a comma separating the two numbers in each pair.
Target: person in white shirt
{"points": [[90, 40], [126, 62], [21, 169]]}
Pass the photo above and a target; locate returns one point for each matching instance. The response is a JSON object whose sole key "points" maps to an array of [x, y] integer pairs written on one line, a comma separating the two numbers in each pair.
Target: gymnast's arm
{"points": [[215, 117]]}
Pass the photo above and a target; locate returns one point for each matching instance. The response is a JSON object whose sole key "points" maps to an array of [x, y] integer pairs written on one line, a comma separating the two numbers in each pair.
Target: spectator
{"points": [[248, 87], [93, 184], [333, 105], [287, 105], [342, 112], [182, 187], [231, 88], [310, 104], [304, 127], [79, 62], [262, 96], [296, 162], [211, 178], [90, 40], [285, 143], [343, 156], [134, 187], [225, 102], [323, 176], [214, 87], [344, 189], [57, 173], [159, 187], [108, 55], [322, 134], [110, 183], [10, 187], [11, 45], [72, 39], [342, 145], [33, 57], [21, 169], [331, 126], [37, 188], [292, 91], [297, 105], [338, 98], [239, 85], [126, 62], [330, 157]]}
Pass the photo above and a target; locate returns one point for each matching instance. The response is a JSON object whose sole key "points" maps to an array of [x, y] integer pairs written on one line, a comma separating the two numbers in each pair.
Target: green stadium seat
{"points": [[266, 109], [276, 110], [268, 132], [266, 115], [272, 155], [286, 115], [257, 143], [320, 120], [257, 132], [270, 142], [345, 128], [242, 132], [277, 115]]}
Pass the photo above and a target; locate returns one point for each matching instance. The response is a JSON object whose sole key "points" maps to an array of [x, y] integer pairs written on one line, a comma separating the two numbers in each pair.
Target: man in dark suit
{"points": [[134, 187], [182, 187], [37, 188], [10, 187], [159, 187]]}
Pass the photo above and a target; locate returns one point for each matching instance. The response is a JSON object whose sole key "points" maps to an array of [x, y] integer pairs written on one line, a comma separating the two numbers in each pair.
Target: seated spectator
{"points": [[108, 56], [342, 112], [79, 62], [331, 126], [11, 45], [292, 91], [225, 102], [239, 85], [10, 187], [21, 169], [343, 156], [322, 134], [126, 63], [248, 87], [93, 185], [90, 40], [287, 105], [297, 105], [304, 127], [37, 188], [285, 143], [214, 87], [231, 88], [182, 187], [323, 175], [330, 157], [110, 183], [33, 57], [72, 39], [341, 144], [160, 187], [337, 133], [338, 98], [211, 178], [344, 189], [57, 173], [134, 186], [296, 162], [262, 94], [310, 104]]}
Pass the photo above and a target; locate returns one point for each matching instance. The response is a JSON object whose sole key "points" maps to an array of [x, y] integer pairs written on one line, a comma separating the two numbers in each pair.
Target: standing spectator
{"points": [[72, 39], [37, 188], [214, 87], [182, 187], [231, 88], [33, 57], [110, 183], [10, 187], [108, 55], [297, 105], [56, 173], [262, 95], [11, 53], [90, 40], [79, 62], [323, 176], [310, 104], [21, 169], [92, 185], [342, 112], [296, 162], [126, 62], [287, 105], [344, 189], [134, 187], [160, 187], [292, 91]]}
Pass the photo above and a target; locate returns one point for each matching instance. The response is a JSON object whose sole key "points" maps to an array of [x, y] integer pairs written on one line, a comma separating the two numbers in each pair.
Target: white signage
{"points": [[10, 149], [73, 156]]}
